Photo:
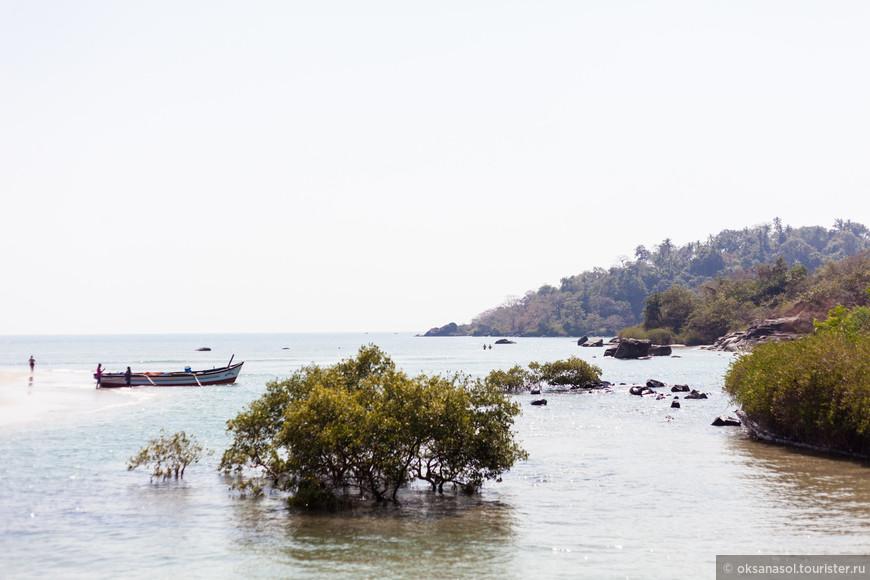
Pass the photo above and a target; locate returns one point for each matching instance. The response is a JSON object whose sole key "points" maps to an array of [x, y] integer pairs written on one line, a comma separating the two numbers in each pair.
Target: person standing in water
{"points": [[128, 375], [32, 363], [99, 375]]}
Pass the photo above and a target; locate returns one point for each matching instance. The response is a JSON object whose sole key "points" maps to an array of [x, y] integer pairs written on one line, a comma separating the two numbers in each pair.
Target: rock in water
{"points": [[632, 348], [660, 350], [725, 421]]}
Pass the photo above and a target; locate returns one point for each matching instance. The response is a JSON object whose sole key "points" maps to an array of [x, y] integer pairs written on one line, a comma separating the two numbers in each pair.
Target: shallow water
{"points": [[616, 486]]}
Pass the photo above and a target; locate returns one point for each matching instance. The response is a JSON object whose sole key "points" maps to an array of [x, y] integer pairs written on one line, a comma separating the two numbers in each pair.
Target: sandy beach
{"points": [[51, 395]]}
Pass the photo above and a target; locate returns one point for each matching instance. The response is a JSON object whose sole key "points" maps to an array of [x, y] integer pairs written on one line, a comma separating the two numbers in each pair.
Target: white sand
{"points": [[52, 395]]}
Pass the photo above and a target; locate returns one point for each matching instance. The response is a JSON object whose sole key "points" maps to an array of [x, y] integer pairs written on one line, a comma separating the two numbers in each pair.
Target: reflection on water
{"points": [[427, 536], [808, 493]]}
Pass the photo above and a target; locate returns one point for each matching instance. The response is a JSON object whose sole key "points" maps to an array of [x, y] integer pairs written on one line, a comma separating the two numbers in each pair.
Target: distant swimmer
{"points": [[32, 363]]}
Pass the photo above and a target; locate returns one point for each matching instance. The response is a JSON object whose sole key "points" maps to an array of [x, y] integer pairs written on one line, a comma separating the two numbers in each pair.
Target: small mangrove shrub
{"points": [[573, 372], [167, 455]]}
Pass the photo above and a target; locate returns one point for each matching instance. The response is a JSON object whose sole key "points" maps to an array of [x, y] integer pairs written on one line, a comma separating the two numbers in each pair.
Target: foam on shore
{"points": [[50, 395]]}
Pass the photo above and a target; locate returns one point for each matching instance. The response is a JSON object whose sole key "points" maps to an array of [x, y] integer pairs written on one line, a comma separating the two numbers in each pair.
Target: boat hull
{"points": [[221, 376]]}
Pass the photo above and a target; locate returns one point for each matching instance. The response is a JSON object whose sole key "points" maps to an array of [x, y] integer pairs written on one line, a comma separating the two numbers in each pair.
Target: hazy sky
{"points": [[206, 166]]}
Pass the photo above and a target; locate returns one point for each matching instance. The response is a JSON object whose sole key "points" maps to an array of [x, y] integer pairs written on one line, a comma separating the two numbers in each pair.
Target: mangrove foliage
{"points": [[814, 390], [362, 428]]}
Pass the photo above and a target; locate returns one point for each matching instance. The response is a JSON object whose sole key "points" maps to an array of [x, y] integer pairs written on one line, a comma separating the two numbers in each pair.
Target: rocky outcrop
{"points": [[660, 350], [539, 402], [768, 433], [595, 342], [447, 330], [504, 341], [725, 421], [772, 329], [632, 348]]}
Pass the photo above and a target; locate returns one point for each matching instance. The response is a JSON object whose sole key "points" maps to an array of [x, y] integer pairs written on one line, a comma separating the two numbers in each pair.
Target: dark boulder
{"points": [[610, 351], [629, 348], [504, 341], [598, 385], [696, 395], [583, 340], [540, 402], [203, 349], [675, 404], [654, 384], [594, 343], [641, 390], [680, 389], [725, 421], [660, 350]]}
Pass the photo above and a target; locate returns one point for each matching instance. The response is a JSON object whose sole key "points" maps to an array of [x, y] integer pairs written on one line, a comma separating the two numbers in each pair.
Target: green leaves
{"points": [[573, 372], [815, 389], [168, 456], [363, 428]]}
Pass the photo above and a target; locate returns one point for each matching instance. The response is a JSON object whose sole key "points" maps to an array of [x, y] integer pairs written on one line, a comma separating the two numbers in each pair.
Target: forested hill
{"points": [[602, 302]]}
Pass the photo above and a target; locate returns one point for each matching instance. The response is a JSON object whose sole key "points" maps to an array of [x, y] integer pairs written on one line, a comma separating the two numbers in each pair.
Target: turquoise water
{"points": [[615, 487]]}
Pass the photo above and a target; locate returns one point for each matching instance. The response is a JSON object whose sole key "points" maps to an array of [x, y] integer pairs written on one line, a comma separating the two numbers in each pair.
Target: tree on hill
{"points": [[731, 303], [603, 301]]}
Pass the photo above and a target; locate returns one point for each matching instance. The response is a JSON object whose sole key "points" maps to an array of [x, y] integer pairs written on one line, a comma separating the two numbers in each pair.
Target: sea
{"points": [[615, 486]]}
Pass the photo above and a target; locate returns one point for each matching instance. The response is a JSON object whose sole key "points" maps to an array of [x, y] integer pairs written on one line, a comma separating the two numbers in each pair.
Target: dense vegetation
{"points": [[362, 428], [573, 372], [602, 302], [766, 291], [814, 390]]}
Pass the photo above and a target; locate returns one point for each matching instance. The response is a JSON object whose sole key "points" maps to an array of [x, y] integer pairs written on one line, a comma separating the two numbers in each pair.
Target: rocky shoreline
{"points": [[770, 330], [764, 433]]}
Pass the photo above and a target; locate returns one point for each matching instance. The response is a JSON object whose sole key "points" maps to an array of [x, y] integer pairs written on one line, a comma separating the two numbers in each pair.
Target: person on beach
{"points": [[128, 375], [99, 375], [32, 363]]}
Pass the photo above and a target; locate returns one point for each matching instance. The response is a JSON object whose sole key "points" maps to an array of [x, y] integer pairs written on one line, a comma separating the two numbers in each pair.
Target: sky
{"points": [[283, 166]]}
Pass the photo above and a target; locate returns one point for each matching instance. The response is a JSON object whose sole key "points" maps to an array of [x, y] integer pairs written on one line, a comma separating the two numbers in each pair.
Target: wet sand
{"points": [[51, 395]]}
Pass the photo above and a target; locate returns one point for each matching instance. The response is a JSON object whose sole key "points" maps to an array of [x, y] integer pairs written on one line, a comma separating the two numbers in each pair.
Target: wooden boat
{"points": [[187, 378]]}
